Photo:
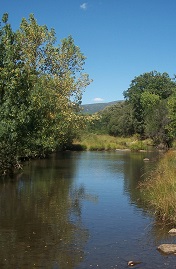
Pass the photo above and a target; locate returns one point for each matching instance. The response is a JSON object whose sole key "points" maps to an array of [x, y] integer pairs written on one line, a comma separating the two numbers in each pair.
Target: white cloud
{"points": [[83, 6], [98, 100]]}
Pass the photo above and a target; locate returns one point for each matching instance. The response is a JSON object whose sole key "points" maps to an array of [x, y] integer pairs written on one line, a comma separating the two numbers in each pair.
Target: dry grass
{"points": [[106, 142], [159, 190]]}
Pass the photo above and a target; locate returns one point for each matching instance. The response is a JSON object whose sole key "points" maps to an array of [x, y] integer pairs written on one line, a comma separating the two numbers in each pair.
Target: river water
{"points": [[80, 210]]}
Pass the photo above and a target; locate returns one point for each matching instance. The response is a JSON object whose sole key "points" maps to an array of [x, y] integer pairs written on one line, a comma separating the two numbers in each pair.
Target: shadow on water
{"points": [[136, 169], [80, 210], [35, 225]]}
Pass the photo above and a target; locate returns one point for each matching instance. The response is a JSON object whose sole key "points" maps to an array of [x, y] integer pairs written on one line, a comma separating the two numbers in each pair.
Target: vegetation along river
{"points": [[80, 210]]}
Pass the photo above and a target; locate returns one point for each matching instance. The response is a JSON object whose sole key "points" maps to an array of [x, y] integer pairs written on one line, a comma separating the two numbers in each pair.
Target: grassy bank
{"points": [[159, 190], [106, 142]]}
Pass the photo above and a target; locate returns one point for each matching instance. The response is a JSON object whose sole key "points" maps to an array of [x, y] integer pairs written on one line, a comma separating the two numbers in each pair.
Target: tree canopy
{"points": [[143, 93], [41, 86]]}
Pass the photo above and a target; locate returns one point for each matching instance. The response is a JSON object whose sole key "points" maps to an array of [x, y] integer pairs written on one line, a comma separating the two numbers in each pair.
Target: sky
{"points": [[121, 39]]}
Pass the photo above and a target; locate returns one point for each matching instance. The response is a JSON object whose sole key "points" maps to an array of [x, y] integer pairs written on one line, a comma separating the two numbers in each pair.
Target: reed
{"points": [[159, 190]]}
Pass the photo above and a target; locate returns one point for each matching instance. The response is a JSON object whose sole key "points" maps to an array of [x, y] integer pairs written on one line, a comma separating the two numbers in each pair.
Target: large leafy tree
{"points": [[171, 105], [41, 87], [147, 93]]}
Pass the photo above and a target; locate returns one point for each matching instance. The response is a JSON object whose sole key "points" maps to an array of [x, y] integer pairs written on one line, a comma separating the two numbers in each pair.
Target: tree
{"points": [[171, 105], [118, 119], [41, 87], [144, 93]]}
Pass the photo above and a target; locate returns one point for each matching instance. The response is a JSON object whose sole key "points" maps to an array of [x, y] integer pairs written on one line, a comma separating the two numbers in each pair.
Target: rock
{"points": [[167, 248], [172, 231]]}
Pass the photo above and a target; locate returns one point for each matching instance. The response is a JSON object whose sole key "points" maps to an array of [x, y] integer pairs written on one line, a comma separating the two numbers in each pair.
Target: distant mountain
{"points": [[93, 108]]}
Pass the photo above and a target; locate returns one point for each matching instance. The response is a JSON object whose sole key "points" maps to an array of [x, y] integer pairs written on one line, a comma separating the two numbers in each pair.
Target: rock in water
{"points": [[172, 231], [167, 248]]}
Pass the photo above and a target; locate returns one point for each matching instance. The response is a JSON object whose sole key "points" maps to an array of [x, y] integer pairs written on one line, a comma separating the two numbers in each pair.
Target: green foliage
{"points": [[148, 94], [96, 142], [148, 101], [144, 92], [138, 145], [156, 125], [172, 115], [41, 87], [116, 120], [149, 111]]}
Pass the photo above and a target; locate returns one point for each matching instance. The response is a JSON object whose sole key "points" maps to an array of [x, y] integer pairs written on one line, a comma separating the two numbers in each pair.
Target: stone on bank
{"points": [[167, 248]]}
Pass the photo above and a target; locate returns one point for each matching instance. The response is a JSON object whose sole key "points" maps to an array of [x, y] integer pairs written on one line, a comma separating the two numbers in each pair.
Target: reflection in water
{"points": [[35, 229], [79, 210], [136, 170], [159, 233]]}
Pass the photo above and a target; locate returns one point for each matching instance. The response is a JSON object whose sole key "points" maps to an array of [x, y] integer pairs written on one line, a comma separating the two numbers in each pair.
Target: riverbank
{"points": [[105, 142], [159, 190], [160, 187]]}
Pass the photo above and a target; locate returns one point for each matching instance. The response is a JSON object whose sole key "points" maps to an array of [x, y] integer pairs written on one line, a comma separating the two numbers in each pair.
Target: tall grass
{"points": [[159, 190], [106, 142]]}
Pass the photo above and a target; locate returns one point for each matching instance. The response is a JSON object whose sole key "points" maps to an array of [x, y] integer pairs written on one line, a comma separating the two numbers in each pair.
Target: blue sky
{"points": [[120, 38]]}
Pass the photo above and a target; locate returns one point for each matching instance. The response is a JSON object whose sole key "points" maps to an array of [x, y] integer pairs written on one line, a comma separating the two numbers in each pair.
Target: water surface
{"points": [[80, 210]]}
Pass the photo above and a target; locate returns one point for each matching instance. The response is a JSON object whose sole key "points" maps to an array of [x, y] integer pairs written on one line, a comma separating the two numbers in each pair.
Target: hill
{"points": [[93, 108]]}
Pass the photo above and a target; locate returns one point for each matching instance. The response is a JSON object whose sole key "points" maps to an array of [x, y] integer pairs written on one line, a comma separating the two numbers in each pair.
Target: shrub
{"points": [[139, 145]]}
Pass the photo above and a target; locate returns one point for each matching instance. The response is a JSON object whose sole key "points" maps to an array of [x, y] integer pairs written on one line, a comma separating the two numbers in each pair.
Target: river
{"points": [[80, 210]]}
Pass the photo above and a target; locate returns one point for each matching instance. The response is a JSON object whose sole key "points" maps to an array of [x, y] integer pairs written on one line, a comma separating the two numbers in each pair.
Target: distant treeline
{"points": [[149, 110]]}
